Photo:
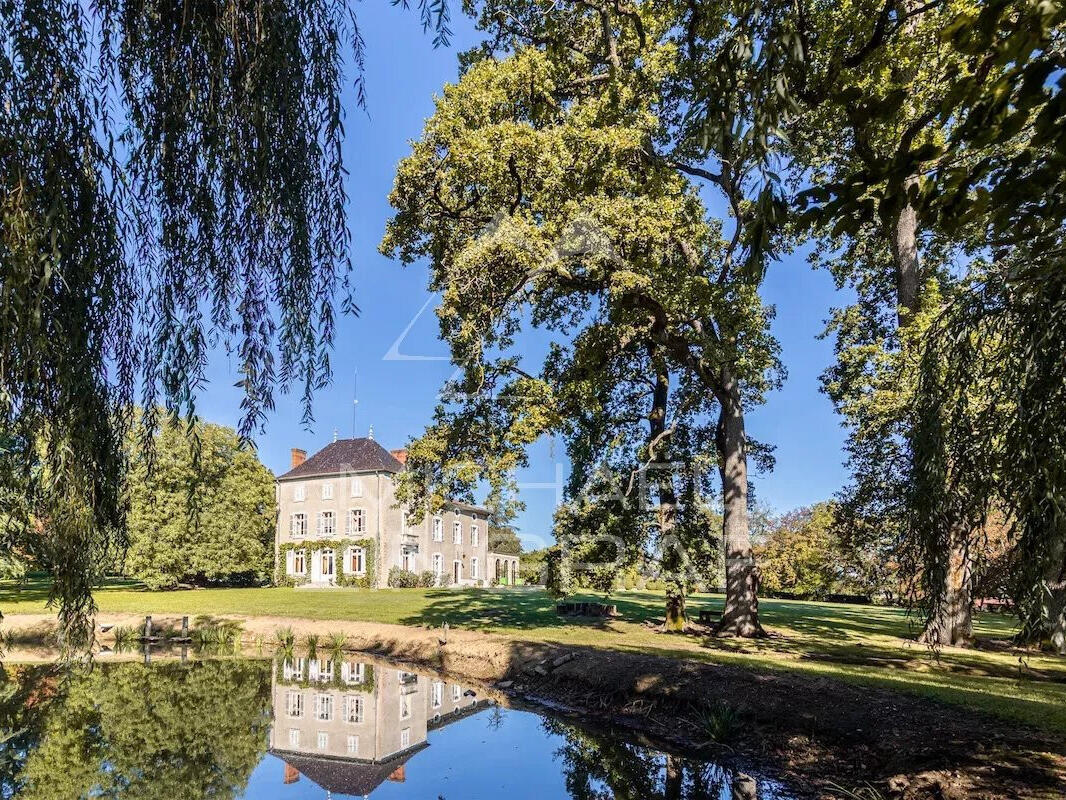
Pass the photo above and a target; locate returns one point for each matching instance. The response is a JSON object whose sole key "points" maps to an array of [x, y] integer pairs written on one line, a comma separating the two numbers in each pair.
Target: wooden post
{"points": [[147, 627], [184, 627]]}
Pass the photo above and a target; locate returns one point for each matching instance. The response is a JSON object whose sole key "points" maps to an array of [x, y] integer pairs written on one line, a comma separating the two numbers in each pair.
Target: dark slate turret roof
{"points": [[346, 455]]}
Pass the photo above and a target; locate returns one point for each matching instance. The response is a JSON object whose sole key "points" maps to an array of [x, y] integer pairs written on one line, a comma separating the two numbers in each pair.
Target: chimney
{"points": [[400, 455], [291, 774], [298, 457]]}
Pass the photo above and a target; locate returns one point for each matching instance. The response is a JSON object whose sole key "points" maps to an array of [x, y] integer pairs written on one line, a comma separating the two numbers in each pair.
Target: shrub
{"points": [[427, 580], [403, 579], [721, 722], [640, 583], [336, 642], [285, 638], [445, 580], [629, 581]]}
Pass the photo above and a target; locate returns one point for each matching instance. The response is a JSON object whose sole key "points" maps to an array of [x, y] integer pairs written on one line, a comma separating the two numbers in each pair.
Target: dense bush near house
{"points": [[403, 579], [427, 579]]}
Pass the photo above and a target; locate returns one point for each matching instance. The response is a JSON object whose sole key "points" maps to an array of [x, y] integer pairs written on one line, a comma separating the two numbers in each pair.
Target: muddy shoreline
{"points": [[814, 734]]}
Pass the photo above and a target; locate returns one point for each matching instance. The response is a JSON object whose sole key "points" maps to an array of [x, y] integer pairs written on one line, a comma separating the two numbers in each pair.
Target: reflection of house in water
{"points": [[349, 726]]}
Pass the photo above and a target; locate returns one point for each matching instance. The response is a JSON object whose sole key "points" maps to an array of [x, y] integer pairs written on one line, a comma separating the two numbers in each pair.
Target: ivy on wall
{"points": [[365, 686], [342, 578]]}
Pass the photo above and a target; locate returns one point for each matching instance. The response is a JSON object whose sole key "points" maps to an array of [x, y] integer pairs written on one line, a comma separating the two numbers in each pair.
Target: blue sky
{"points": [[397, 394]]}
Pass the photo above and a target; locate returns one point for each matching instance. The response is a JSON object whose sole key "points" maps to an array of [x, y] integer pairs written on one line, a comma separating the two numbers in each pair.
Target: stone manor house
{"points": [[339, 525]]}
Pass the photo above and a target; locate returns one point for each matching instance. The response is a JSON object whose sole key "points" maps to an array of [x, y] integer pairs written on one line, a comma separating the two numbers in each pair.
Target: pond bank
{"points": [[813, 731]]}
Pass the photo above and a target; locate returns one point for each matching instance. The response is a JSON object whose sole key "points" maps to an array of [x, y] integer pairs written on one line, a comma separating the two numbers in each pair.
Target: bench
{"points": [[571, 609], [708, 616]]}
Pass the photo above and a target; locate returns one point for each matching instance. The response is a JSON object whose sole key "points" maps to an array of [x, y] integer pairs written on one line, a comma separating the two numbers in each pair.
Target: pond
{"points": [[299, 728]]}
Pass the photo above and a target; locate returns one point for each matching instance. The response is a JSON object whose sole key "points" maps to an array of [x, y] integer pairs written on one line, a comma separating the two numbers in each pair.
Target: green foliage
{"points": [[311, 645], [138, 731], [125, 636], [211, 633], [405, 579], [338, 546], [285, 639], [721, 722], [336, 642], [557, 190], [287, 666], [168, 182], [201, 509], [801, 554]]}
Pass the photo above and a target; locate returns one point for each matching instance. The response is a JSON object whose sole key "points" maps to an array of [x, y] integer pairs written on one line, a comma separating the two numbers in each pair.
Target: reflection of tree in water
{"points": [[132, 731], [601, 767], [26, 693]]}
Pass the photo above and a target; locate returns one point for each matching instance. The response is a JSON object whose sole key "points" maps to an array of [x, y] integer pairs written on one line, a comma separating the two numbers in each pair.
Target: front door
{"points": [[457, 572], [327, 566]]}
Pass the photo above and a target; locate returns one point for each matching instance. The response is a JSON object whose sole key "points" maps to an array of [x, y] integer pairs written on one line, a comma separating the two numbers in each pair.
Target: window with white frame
{"points": [[327, 490], [326, 525], [294, 737], [323, 707], [457, 692], [357, 486], [475, 536], [299, 492], [357, 560], [438, 564], [298, 525], [438, 529], [353, 709], [297, 562], [405, 706], [353, 744], [405, 738], [325, 672], [294, 704], [356, 520], [438, 693], [457, 532], [323, 740], [351, 672], [473, 568]]}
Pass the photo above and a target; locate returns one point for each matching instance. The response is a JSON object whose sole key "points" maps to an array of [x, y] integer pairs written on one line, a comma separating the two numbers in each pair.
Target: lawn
{"points": [[862, 644]]}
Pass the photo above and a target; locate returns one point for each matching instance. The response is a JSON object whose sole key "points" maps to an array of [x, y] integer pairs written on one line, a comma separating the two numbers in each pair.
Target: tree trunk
{"points": [[672, 559], [903, 236], [675, 776], [741, 614], [953, 622], [1058, 621], [1057, 602], [952, 625], [675, 607]]}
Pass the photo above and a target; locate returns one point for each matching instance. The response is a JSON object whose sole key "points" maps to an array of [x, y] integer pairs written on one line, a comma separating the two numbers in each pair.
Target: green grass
{"points": [[869, 645]]}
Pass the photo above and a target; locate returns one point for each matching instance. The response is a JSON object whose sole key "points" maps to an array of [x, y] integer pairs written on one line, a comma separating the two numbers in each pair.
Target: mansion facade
{"points": [[339, 525]]}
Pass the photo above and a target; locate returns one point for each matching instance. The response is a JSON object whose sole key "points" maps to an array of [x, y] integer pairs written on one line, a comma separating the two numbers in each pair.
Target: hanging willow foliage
{"points": [[991, 431], [170, 182]]}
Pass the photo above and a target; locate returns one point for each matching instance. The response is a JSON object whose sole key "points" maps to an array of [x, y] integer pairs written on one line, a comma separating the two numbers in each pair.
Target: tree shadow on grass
{"points": [[481, 609]]}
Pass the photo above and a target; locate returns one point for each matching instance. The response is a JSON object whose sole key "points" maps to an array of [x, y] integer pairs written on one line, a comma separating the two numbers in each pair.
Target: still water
{"points": [[300, 728]]}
